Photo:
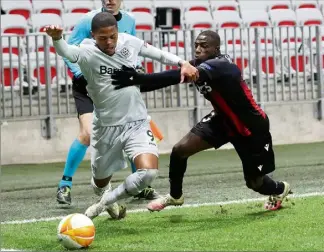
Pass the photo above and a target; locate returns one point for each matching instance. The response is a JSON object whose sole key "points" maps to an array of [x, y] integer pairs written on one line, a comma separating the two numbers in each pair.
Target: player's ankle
{"points": [[176, 195]]}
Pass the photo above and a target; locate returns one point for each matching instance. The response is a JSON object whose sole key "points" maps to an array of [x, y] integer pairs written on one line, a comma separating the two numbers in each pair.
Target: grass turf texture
{"points": [[297, 226]]}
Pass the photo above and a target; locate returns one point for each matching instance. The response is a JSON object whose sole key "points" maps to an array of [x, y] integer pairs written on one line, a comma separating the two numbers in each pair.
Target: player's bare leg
{"points": [[186, 147], [74, 158], [147, 169]]}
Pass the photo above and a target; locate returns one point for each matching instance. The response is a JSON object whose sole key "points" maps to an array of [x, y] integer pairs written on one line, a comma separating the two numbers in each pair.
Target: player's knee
{"points": [[254, 183], [139, 180], [84, 137], [100, 186], [179, 150]]}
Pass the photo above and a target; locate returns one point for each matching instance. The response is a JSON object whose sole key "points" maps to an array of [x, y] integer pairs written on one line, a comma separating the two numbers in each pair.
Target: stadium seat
{"points": [[21, 7], [48, 6], [174, 38], [227, 19], [255, 18], [277, 5], [283, 17], [233, 36], [264, 5], [217, 5], [37, 66], [309, 17], [198, 20], [39, 21], [97, 4], [144, 21], [299, 4], [36, 43], [78, 6], [167, 4], [12, 44], [138, 6], [13, 23], [9, 69], [194, 5], [70, 20]]}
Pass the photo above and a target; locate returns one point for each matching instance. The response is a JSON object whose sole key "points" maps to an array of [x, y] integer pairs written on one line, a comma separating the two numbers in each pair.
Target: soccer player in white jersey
{"points": [[120, 116]]}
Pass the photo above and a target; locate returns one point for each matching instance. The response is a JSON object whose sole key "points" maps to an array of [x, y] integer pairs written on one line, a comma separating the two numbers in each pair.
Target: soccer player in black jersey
{"points": [[236, 118]]}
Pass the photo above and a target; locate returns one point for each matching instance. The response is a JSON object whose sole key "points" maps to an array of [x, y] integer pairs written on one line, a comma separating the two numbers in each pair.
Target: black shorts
{"points": [[83, 102], [255, 152]]}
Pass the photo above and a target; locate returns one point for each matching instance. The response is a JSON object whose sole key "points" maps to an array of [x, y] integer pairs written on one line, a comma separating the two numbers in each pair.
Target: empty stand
{"points": [[138, 6], [299, 4], [48, 6], [12, 44], [10, 69], [78, 6], [227, 19], [13, 23], [194, 5], [255, 18], [21, 7], [144, 21], [224, 5], [283, 17], [70, 20], [39, 21], [198, 20]]}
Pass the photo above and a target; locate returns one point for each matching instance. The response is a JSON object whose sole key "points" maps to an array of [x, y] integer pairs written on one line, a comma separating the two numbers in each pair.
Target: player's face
{"points": [[112, 5], [204, 49], [106, 39]]}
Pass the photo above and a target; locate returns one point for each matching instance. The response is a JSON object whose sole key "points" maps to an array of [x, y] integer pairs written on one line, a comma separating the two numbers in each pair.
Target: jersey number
{"points": [[150, 134]]}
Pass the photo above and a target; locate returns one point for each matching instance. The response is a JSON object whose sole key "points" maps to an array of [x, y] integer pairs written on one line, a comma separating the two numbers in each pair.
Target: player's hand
{"points": [[54, 31], [125, 77], [188, 72]]}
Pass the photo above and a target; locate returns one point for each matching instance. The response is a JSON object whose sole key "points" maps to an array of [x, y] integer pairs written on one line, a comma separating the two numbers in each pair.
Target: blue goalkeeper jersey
{"points": [[125, 22]]}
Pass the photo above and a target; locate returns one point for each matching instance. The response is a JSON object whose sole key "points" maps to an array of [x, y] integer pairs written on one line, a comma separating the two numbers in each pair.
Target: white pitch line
{"points": [[241, 201]]}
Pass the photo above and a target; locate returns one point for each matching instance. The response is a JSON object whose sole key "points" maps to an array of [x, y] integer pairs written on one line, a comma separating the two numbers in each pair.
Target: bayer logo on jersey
{"points": [[125, 52]]}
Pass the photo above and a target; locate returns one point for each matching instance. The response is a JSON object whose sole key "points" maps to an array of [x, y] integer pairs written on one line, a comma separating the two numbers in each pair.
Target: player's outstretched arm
{"points": [[72, 53], [147, 82], [187, 70]]}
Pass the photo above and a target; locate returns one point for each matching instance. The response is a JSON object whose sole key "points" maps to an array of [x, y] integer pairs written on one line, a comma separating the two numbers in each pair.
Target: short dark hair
{"points": [[103, 19], [213, 36]]}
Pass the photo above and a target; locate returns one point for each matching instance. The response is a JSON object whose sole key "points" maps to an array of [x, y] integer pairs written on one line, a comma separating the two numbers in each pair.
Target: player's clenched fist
{"points": [[54, 31]]}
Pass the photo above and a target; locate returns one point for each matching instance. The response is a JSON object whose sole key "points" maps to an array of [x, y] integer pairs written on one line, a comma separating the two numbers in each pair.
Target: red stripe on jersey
{"points": [[223, 106], [251, 100]]}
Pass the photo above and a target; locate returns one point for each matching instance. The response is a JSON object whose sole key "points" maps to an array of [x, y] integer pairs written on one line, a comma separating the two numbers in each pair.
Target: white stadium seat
{"points": [[13, 23], [224, 5], [254, 18], [198, 20], [70, 20], [194, 5], [39, 21], [138, 6], [227, 19], [48, 6], [299, 4], [282, 17], [21, 7], [144, 21], [83, 6]]}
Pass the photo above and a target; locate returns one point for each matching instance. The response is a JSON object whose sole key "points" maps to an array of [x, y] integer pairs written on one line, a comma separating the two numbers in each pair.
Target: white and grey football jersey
{"points": [[113, 107]]}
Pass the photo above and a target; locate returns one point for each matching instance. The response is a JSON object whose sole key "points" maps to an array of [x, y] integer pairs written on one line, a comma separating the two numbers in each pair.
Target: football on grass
{"points": [[76, 231]]}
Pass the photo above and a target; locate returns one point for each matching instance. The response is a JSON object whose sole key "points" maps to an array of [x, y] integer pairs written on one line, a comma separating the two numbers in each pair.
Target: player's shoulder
{"points": [[126, 38], [127, 15]]}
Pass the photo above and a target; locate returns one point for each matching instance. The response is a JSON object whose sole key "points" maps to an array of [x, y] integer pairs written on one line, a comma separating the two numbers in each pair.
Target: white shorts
{"points": [[110, 143]]}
